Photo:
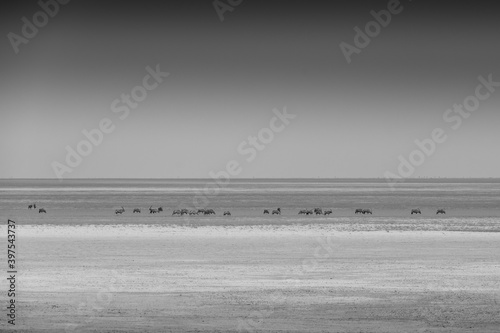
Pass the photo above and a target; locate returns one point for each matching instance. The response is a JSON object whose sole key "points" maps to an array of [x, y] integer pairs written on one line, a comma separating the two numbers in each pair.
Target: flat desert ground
{"points": [[255, 278]]}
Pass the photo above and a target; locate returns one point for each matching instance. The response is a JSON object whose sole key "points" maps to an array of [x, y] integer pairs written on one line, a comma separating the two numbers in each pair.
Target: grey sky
{"points": [[353, 120]]}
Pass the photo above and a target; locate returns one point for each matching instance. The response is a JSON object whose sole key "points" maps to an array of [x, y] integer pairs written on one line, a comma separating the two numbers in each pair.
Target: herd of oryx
{"points": [[314, 211], [176, 212], [317, 211], [184, 211]]}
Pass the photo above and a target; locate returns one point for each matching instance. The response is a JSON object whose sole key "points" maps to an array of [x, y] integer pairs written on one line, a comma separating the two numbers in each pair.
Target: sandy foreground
{"points": [[293, 278]]}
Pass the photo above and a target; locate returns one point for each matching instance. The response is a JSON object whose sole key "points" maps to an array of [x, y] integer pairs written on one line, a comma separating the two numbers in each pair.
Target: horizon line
{"points": [[246, 178]]}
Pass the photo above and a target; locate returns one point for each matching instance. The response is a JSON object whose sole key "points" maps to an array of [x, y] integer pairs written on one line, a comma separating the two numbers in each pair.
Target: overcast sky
{"points": [[225, 78]]}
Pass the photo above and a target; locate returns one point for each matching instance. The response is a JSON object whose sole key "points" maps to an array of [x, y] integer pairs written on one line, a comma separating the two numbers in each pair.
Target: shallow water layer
{"points": [[471, 205]]}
